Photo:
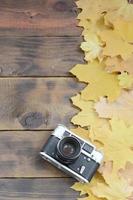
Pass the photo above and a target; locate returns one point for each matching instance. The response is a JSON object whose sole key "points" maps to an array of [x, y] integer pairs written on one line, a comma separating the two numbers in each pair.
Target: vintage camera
{"points": [[72, 154]]}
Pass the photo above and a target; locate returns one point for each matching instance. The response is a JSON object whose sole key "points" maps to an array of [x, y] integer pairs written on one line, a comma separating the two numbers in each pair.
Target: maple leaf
{"points": [[85, 188], [115, 45], [118, 144], [93, 28], [93, 10], [124, 12], [121, 109], [125, 80], [86, 135], [124, 29], [101, 82], [127, 173], [115, 189], [81, 132], [116, 64], [91, 46], [87, 116]]}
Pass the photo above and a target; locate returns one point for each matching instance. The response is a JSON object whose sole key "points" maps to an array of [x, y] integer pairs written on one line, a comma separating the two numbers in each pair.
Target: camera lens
{"points": [[68, 149]]}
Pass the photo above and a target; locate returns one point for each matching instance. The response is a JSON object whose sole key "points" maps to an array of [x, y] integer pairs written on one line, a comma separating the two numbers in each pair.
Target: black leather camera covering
{"points": [[90, 165]]}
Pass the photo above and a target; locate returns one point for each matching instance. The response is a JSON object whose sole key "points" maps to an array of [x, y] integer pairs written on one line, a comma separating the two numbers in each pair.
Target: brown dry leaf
{"points": [[101, 82], [115, 45], [121, 109], [116, 64], [87, 116]]}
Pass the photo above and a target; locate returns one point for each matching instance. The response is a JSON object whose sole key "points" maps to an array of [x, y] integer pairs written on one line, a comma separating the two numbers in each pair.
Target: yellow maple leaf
{"points": [[121, 109], [95, 28], [92, 46], [125, 80], [126, 173], [81, 132], [118, 144], [93, 10], [85, 188], [124, 29], [101, 82], [116, 64], [117, 189], [124, 12], [87, 116], [115, 45], [86, 134]]}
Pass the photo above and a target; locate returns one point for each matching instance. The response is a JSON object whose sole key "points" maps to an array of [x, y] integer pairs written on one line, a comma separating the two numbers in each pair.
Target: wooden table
{"points": [[39, 44]]}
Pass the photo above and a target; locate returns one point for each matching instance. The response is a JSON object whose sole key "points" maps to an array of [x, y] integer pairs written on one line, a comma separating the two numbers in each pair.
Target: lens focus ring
{"points": [[68, 149]]}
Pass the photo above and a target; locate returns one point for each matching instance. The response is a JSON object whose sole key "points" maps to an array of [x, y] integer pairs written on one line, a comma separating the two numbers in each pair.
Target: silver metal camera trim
{"points": [[95, 155], [63, 167]]}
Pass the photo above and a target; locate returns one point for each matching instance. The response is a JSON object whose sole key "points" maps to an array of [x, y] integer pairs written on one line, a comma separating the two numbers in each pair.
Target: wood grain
{"points": [[19, 155], [39, 56], [41, 17], [36, 103], [26, 189]]}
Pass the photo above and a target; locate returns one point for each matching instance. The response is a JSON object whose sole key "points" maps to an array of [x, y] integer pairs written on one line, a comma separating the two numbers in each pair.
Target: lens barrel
{"points": [[68, 149]]}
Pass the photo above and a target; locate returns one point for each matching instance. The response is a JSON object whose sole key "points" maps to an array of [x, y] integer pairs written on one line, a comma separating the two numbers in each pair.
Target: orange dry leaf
{"points": [[101, 82], [116, 64], [121, 109], [115, 45]]}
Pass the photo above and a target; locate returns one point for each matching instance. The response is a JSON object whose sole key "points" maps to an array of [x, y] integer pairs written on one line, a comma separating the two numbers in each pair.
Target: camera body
{"points": [[72, 154]]}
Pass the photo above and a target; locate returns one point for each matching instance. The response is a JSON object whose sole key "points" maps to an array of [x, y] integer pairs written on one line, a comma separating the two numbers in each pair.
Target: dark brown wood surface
{"points": [[39, 56], [36, 103], [19, 155], [26, 189], [39, 44], [38, 18]]}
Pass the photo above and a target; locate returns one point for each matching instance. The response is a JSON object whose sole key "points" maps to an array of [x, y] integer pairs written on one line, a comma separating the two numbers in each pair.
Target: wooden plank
{"points": [[39, 56], [19, 155], [42, 17], [36, 103], [26, 189]]}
